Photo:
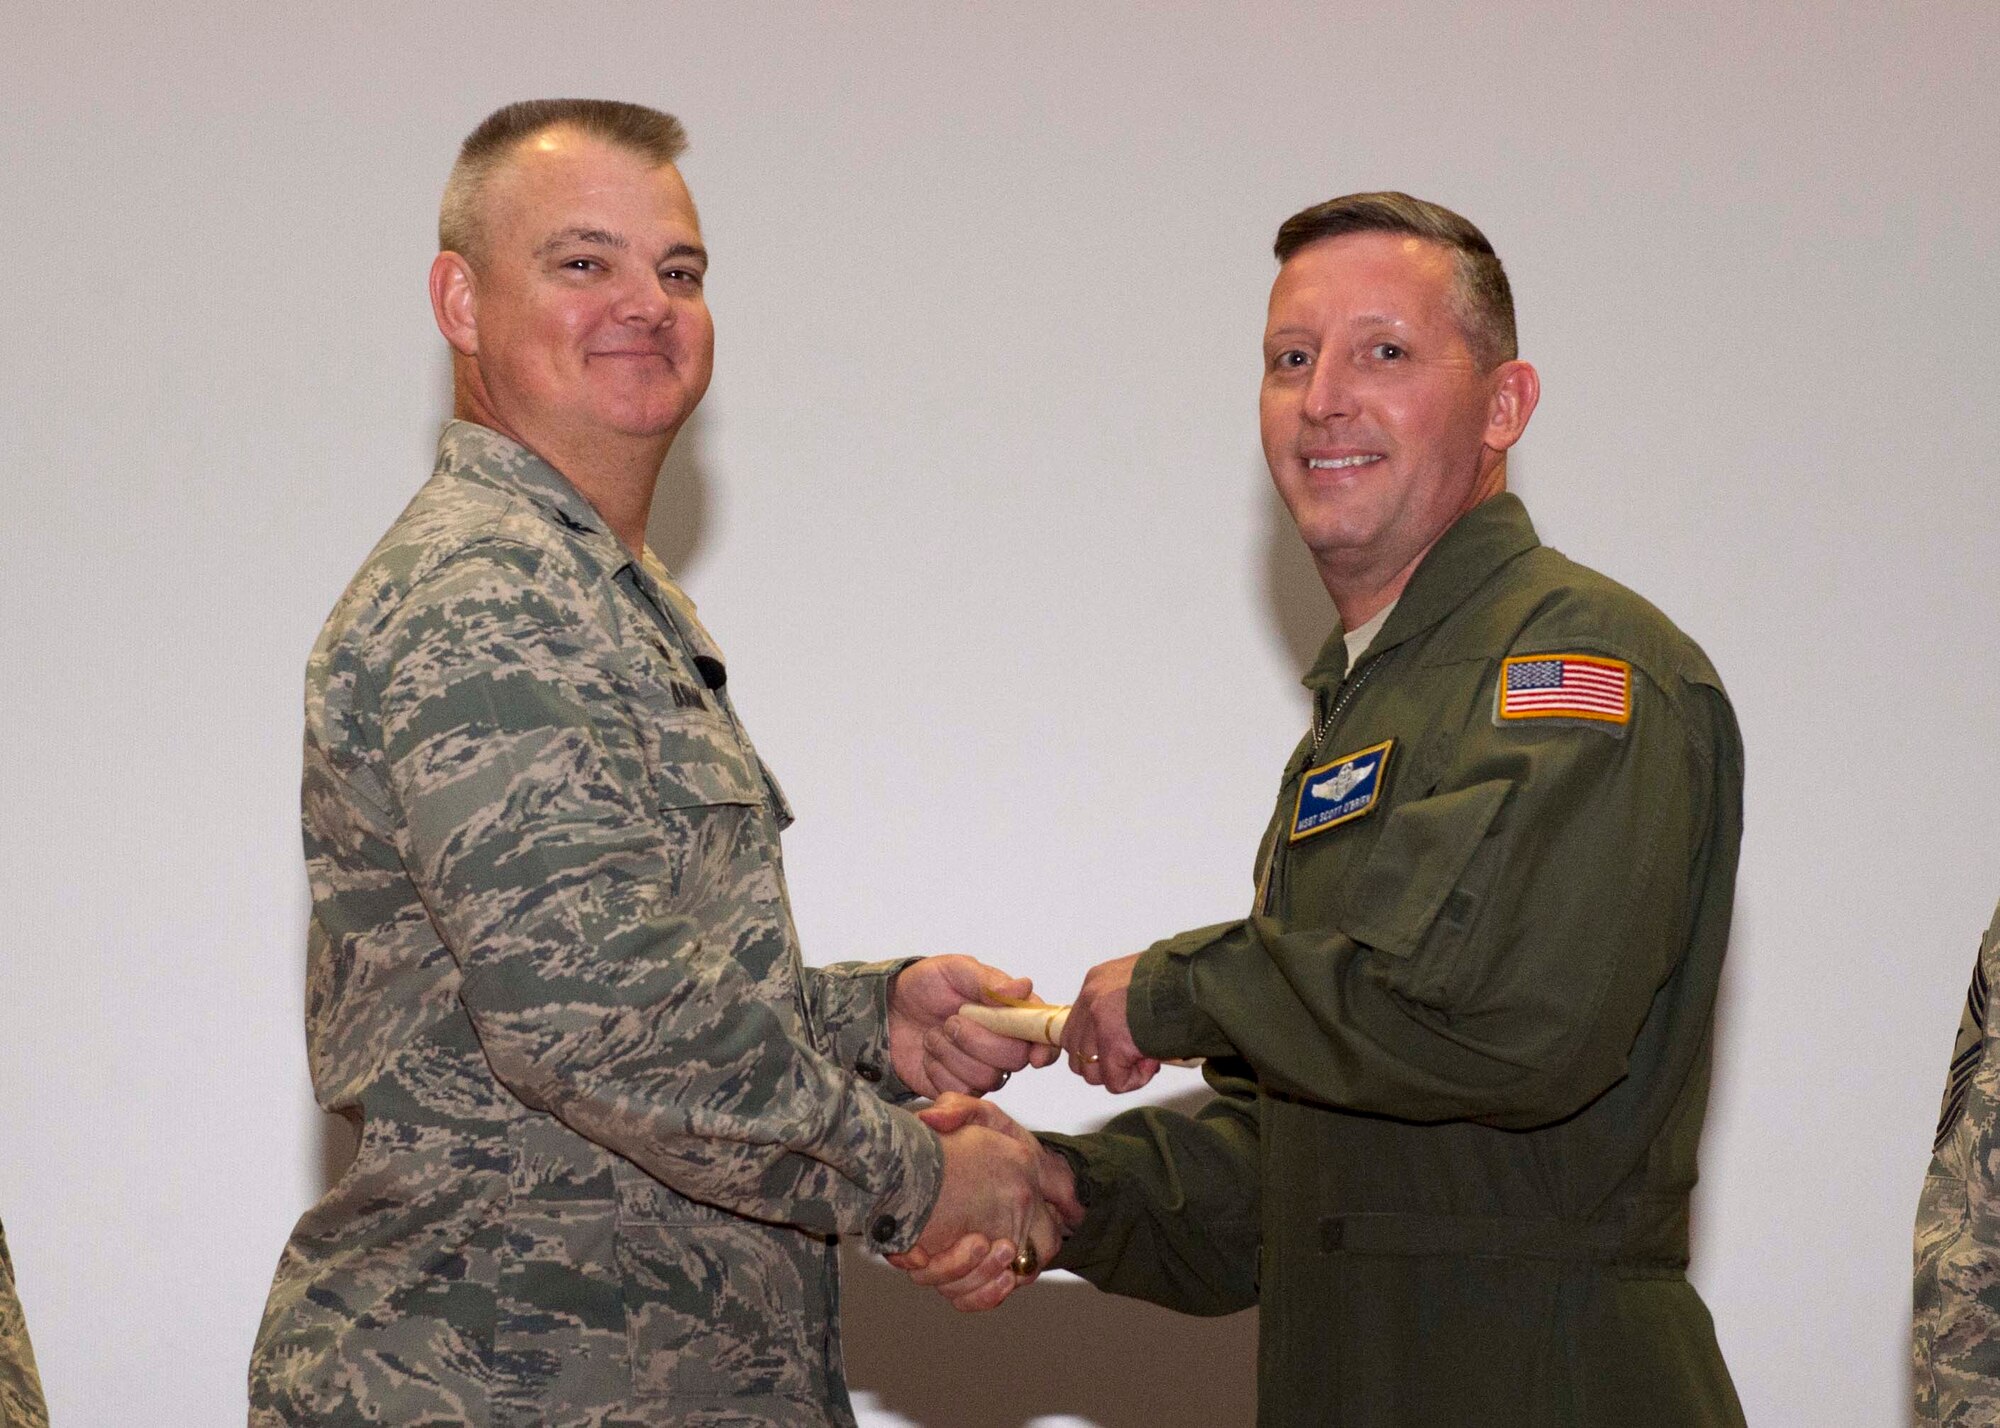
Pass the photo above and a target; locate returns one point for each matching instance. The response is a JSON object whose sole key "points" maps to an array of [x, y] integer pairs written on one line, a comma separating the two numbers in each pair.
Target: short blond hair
{"points": [[633, 127]]}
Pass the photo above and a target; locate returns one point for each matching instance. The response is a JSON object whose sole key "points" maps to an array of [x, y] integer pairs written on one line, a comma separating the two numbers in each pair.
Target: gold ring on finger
{"points": [[1028, 1262]]}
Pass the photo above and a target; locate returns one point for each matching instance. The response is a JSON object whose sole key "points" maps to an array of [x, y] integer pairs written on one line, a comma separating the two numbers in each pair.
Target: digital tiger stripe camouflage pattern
{"points": [[1955, 1338], [610, 1125], [21, 1404]]}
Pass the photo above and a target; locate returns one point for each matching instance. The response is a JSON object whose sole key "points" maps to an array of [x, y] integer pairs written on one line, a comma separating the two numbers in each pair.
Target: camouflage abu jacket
{"points": [[610, 1126], [21, 1403], [1956, 1338]]}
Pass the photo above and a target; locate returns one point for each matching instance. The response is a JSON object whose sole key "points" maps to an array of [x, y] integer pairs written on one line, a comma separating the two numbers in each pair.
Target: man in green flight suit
{"points": [[611, 1126], [1461, 1043]]}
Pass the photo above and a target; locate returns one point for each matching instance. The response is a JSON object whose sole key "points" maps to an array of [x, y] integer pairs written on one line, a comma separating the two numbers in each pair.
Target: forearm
{"points": [[1491, 958], [847, 1005], [1171, 1205], [717, 1101]]}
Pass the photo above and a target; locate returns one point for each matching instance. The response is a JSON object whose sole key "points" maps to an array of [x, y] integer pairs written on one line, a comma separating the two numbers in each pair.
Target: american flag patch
{"points": [[1565, 686]]}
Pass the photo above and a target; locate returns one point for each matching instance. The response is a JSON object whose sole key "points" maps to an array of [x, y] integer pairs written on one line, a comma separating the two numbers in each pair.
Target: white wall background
{"points": [[975, 505]]}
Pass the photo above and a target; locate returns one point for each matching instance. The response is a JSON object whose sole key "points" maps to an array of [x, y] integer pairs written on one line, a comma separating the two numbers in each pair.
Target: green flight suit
{"points": [[1462, 1045]]}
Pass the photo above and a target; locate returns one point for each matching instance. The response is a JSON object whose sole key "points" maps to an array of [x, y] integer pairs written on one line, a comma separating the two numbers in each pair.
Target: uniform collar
{"points": [[1478, 543], [659, 585], [484, 457]]}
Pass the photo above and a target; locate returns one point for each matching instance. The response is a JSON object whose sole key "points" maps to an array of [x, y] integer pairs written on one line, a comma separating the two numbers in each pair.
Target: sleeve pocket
{"points": [[1417, 863]]}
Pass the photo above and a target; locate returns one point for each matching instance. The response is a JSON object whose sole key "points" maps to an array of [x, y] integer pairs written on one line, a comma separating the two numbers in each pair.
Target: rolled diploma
{"points": [[1042, 1025]]}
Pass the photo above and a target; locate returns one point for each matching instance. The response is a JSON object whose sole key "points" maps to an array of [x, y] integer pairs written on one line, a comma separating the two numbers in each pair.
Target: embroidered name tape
{"points": [[1340, 792], [1565, 686]]}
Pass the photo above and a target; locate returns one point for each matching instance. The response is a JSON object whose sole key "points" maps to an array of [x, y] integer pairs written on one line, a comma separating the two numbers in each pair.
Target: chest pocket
{"points": [[692, 751], [1424, 882], [707, 792]]}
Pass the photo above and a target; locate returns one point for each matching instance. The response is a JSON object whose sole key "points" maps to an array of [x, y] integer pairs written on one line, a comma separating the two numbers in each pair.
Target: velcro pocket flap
{"points": [[701, 762], [1419, 857]]}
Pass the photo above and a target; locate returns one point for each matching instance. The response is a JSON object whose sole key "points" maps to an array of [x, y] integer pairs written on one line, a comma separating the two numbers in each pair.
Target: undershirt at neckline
{"points": [[1357, 641]]}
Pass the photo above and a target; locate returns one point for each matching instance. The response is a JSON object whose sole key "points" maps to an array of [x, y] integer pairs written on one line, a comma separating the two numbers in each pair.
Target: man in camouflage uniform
{"points": [[21, 1403], [610, 1127], [1956, 1338]]}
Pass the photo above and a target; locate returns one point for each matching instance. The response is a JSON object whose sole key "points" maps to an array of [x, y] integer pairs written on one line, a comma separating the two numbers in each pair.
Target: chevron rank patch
{"points": [[1341, 791], [1966, 1054], [1565, 686]]}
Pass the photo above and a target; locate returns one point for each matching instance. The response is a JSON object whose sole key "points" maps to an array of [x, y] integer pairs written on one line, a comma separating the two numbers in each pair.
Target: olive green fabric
{"points": [[21, 1403], [610, 1124], [1955, 1341], [1461, 1048]]}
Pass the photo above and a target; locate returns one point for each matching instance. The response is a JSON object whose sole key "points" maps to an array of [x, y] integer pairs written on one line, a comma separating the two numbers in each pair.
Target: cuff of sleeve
{"points": [[898, 1217], [1161, 1007], [1080, 1246], [854, 1022]]}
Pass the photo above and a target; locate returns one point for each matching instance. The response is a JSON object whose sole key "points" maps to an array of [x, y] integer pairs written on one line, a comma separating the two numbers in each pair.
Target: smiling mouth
{"points": [[1339, 463]]}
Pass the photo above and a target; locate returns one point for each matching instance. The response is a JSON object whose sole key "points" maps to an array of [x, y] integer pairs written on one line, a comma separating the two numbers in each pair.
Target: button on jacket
{"points": [[1462, 1044], [610, 1127]]}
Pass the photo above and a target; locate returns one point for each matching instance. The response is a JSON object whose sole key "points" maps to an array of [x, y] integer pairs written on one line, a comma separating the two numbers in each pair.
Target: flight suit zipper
{"points": [[1270, 881]]}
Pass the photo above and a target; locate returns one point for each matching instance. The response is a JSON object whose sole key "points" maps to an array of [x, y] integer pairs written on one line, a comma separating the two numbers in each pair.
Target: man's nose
{"points": [[1329, 392], [645, 302]]}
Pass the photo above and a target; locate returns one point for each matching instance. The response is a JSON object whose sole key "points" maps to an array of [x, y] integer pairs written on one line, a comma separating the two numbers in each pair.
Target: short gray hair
{"points": [[632, 127], [1482, 298]]}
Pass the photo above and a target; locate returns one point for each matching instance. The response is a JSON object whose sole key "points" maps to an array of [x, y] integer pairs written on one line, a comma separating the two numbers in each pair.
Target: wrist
{"points": [[1057, 1184], [904, 1037]]}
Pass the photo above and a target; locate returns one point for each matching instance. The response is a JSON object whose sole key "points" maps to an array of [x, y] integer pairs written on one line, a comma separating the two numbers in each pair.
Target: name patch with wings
{"points": [[1341, 791]]}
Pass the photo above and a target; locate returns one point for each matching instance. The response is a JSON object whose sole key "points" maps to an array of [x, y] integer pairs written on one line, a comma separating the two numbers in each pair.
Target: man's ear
{"points": [[1516, 389], [455, 302]]}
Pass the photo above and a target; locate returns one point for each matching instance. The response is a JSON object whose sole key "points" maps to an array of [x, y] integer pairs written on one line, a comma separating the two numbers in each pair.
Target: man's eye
{"points": [[1386, 352], [1290, 360], [687, 277], [581, 265]]}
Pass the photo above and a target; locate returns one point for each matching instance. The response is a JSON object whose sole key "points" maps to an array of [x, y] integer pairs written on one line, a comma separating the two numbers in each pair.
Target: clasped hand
{"points": [[1004, 1191], [1098, 1037], [934, 1049]]}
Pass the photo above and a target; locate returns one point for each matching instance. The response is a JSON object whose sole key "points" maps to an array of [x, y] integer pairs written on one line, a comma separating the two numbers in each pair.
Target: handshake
{"points": [[1007, 1200]]}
